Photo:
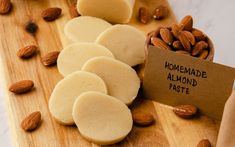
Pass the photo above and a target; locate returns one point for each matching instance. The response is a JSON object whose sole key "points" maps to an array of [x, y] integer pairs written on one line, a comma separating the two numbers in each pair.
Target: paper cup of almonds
{"points": [[182, 38]]}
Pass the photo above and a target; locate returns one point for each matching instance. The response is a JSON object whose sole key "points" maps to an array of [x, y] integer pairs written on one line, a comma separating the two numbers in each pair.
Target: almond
{"points": [[199, 47], [166, 35], [51, 14], [204, 54], [183, 52], [184, 41], [199, 35], [142, 118], [31, 122], [144, 15], [50, 58], [177, 45], [204, 143], [175, 29], [187, 23], [185, 111], [73, 10], [160, 12], [190, 37], [27, 51], [157, 42], [5, 6], [21, 86]]}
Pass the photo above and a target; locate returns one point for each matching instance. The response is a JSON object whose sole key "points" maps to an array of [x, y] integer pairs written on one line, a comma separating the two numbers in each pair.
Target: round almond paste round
{"points": [[125, 42], [73, 57], [115, 11], [68, 89], [121, 80], [85, 28], [102, 119]]}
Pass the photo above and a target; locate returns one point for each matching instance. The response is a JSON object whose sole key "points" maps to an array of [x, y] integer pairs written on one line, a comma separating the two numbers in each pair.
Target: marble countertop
{"points": [[214, 17]]}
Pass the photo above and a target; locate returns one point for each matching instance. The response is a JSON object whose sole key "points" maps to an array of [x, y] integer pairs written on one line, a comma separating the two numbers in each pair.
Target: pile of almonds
{"points": [[182, 38]]}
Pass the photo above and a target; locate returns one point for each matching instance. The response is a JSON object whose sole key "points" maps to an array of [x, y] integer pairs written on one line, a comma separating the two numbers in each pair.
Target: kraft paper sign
{"points": [[175, 79]]}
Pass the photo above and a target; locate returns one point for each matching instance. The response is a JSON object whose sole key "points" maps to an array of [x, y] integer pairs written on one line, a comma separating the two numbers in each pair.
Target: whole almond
{"points": [[185, 111], [21, 86], [157, 42], [51, 14], [73, 10], [204, 54], [144, 15], [27, 51], [50, 58], [183, 52], [177, 45], [187, 23], [190, 37], [160, 12], [175, 29], [184, 41], [199, 47], [31, 122], [5, 6], [142, 118], [166, 35], [199, 35], [204, 143]]}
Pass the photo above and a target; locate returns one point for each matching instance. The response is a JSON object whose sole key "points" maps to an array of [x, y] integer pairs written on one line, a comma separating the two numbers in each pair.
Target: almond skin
{"points": [[187, 23], [177, 45], [142, 118], [199, 47], [50, 58], [144, 15], [5, 6], [160, 12], [166, 35], [185, 111], [73, 10], [31, 122], [184, 41], [175, 29], [21, 86], [183, 52], [157, 42], [27, 51], [204, 143], [190, 37], [204, 54], [199, 35], [51, 14]]}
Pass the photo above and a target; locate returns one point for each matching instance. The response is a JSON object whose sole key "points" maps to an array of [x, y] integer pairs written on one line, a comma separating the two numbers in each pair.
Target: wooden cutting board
{"points": [[169, 130]]}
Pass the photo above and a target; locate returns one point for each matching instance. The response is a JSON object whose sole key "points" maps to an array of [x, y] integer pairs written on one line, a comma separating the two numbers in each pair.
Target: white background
{"points": [[215, 17]]}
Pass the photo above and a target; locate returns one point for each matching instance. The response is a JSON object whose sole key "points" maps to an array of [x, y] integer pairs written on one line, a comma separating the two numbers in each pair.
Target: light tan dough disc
{"points": [[102, 119], [121, 80], [125, 42], [73, 57], [68, 89]]}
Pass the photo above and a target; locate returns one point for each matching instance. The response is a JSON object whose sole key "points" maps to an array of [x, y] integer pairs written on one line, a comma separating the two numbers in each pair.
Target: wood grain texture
{"points": [[169, 130]]}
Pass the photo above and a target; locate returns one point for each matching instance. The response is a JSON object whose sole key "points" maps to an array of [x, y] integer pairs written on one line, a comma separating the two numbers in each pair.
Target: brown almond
{"points": [[184, 41], [21, 86], [31, 122], [31, 27], [142, 118], [160, 12], [51, 14], [177, 45], [187, 23], [175, 29], [144, 15], [166, 35], [50, 58], [73, 10], [183, 52], [199, 35], [27, 51], [199, 47], [204, 54], [190, 37], [157, 42], [204, 143], [185, 111], [5, 6]]}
